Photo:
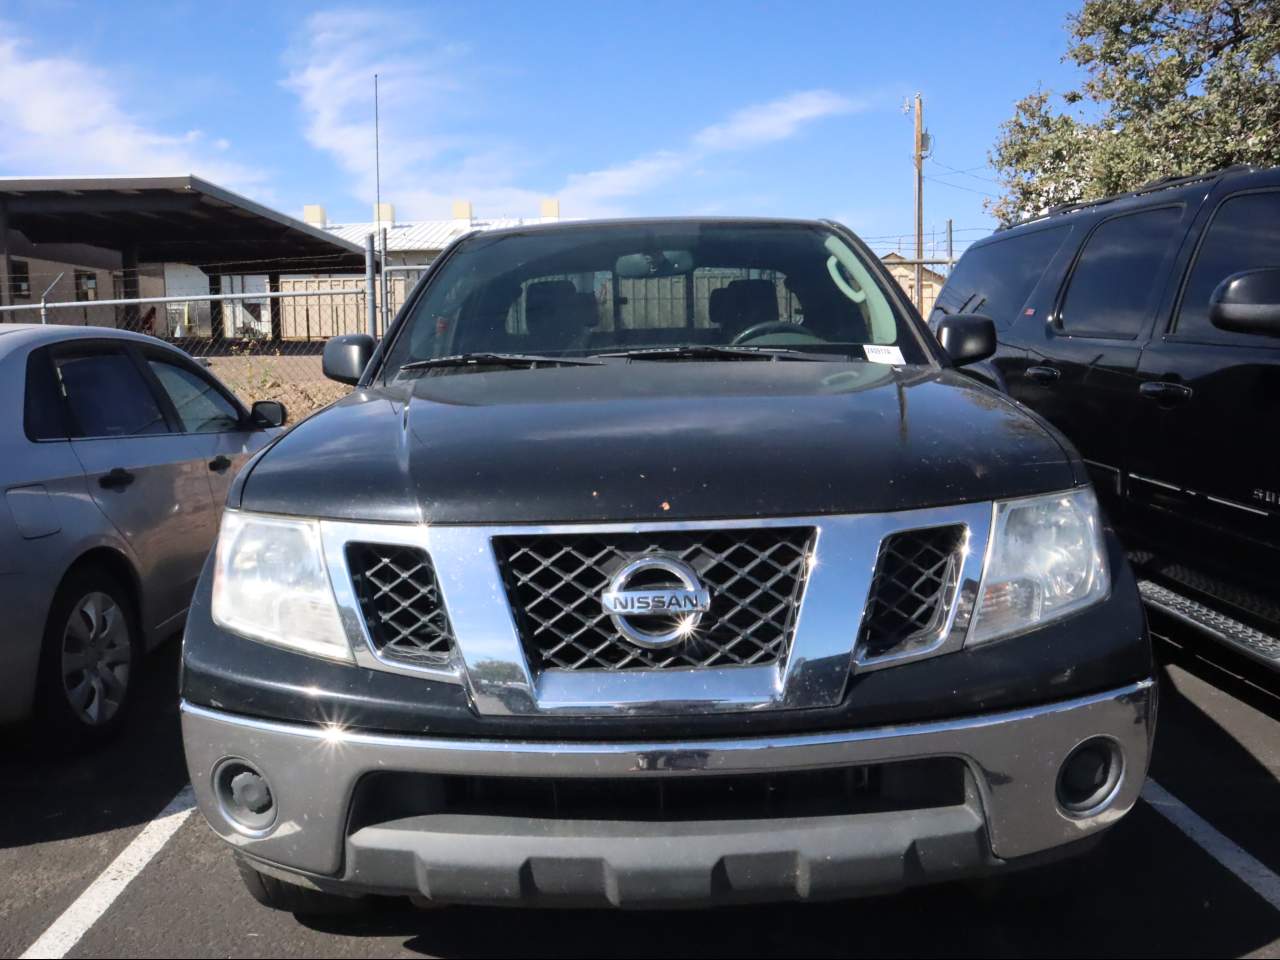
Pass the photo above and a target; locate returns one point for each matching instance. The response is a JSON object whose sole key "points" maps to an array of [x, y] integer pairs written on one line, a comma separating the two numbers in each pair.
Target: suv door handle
{"points": [[116, 479], [220, 463], [1164, 392], [1043, 374]]}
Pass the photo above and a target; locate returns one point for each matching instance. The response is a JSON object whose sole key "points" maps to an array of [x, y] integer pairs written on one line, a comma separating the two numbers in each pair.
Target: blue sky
{"points": [[790, 109]]}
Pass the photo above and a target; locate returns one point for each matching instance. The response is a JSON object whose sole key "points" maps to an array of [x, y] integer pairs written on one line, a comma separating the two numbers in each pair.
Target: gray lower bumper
{"points": [[1014, 759]]}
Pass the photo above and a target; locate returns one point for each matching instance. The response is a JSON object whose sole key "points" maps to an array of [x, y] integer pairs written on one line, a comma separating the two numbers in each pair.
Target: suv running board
{"points": [[1244, 638]]}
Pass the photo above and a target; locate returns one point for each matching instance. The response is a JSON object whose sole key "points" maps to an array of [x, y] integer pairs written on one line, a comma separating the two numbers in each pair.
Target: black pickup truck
{"points": [[661, 563], [1146, 327]]}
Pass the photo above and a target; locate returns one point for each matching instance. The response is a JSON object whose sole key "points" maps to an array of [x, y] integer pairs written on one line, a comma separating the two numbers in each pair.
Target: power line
{"points": [[966, 173], [956, 186]]}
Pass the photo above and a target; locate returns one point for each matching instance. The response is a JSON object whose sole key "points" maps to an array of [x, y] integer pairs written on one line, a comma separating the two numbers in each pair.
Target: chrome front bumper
{"points": [[1014, 759]]}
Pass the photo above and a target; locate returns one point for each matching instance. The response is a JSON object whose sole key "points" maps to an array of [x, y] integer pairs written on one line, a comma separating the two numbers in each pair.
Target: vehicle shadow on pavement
{"points": [[1228, 776], [1231, 672], [52, 796]]}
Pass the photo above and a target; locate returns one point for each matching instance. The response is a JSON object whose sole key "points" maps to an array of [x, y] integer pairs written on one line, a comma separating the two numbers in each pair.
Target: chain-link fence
{"points": [[262, 335]]}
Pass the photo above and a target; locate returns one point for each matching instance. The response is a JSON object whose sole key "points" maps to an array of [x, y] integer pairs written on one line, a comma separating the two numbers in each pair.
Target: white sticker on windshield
{"points": [[877, 353]]}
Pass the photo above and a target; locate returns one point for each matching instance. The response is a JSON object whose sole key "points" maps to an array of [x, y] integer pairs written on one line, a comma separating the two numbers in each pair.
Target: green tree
{"points": [[1170, 88]]}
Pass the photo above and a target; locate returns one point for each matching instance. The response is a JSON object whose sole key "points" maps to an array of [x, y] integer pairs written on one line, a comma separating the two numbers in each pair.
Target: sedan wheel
{"points": [[97, 652], [90, 660]]}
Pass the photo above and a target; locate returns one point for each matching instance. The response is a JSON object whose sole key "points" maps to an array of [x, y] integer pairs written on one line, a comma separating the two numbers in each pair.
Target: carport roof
{"points": [[179, 219]]}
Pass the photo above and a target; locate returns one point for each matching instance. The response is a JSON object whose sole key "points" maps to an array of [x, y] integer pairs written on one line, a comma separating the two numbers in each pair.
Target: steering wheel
{"points": [[773, 326]]}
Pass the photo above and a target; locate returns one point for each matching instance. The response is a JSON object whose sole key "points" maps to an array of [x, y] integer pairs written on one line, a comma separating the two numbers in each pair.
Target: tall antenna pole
{"points": [[377, 152], [381, 232], [919, 272]]}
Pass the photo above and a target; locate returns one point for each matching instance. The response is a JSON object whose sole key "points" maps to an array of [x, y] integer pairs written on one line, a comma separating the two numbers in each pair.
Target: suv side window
{"points": [[107, 394], [996, 278], [1118, 274], [1241, 236], [199, 404]]}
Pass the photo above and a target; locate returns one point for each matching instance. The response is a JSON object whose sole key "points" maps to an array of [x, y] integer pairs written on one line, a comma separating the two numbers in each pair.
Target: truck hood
{"points": [[658, 441]]}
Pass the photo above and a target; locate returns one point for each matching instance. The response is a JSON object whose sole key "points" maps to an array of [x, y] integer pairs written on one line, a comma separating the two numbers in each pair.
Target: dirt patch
{"points": [[297, 382]]}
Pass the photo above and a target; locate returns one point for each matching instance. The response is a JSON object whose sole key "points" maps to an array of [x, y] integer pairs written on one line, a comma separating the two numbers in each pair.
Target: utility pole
{"points": [[919, 157], [951, 250]]}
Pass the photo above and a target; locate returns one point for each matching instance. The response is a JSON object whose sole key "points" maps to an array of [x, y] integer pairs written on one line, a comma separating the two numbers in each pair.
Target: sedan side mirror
{"points": [[1248, 302], [346, 356], [268, 413], [967, 337]]}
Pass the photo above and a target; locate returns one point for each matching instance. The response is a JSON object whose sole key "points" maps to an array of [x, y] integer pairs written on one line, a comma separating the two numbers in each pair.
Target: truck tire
{"points": [[290, 897]]}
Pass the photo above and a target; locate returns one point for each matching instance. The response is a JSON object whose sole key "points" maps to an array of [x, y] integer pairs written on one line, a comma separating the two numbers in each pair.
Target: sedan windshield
{"points": [[678, 289]]}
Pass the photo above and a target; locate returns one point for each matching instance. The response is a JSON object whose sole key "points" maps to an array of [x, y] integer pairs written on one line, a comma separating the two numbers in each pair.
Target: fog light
{"points": [[1089, 776], [244, 795]]}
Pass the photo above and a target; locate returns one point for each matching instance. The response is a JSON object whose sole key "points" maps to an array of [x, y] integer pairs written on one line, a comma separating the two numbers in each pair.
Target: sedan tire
{"points": [[90, 659]]}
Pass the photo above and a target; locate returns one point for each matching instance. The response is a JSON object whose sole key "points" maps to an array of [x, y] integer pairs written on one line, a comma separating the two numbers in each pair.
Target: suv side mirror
{"points": [[346, 356], [967, 337], [268, 413], [1248, 302]]}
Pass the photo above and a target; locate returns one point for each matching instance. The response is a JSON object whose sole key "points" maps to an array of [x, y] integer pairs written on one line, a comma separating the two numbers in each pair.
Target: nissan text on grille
{"points": [[661, 562]]}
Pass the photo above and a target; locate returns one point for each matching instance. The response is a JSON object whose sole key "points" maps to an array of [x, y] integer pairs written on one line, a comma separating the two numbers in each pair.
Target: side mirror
{"points": [[345, 357], [967, 337], [268, 413], [1248, 302]]}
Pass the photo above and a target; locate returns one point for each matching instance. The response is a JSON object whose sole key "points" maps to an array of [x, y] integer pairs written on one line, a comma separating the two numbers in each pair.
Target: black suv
{"points": [[1146, 327], [661, 562]]}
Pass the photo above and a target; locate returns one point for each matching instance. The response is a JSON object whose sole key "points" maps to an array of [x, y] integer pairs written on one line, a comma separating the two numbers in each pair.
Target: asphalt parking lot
{"points": [[1199, 878]]}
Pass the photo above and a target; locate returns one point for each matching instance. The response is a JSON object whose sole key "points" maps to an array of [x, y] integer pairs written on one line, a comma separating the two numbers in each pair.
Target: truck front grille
{"points": [[755, 576], [400, 599], [914, 586]]}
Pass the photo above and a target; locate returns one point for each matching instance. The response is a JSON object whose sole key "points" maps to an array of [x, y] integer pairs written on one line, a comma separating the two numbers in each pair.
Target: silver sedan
{"points": [[115, 459]]}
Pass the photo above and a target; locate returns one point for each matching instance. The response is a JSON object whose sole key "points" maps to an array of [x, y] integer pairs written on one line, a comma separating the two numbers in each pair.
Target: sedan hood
{"points": [[658, 441]]}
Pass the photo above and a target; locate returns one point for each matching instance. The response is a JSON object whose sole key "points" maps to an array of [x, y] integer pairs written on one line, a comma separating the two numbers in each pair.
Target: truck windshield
{"points": [[601, 289]]}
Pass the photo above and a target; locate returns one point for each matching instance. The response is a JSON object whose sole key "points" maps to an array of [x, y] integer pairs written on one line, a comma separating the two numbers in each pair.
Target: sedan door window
{"points": [[107, 394], [200, 405]]}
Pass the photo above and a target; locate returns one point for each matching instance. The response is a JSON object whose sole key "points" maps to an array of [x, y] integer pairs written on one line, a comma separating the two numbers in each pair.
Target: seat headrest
{"points": [[556, 314], [742, 304]]}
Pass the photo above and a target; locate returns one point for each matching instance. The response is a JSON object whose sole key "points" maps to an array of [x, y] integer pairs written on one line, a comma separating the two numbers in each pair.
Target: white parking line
{"points": [[66, 931], [1261, 879]]}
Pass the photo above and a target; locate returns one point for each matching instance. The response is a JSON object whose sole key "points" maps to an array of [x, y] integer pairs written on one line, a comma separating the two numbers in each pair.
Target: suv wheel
{"points": [[281, 895], [90, 658]]}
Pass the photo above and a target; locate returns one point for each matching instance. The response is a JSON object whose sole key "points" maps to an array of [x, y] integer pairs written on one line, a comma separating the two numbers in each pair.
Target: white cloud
{"points": [[59, 115], [749, 127], [332, 72], [597, 189], [423, 169], [776, 120]]}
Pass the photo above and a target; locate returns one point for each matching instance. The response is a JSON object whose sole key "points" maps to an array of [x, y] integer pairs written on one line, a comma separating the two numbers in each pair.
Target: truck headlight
{"points": [[270, 584], [1046, 560]]}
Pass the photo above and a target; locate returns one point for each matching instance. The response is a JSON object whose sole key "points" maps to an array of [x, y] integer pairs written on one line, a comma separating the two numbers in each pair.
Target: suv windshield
{"points": [[582, 291]]}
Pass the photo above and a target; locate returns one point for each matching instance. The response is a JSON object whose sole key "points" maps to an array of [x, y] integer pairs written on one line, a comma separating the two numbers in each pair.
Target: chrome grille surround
{"points": [[490, 659], [756, 579]]}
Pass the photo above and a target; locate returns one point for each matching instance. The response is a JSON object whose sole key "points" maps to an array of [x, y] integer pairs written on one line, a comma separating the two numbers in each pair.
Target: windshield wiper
{"points": [[711, 351], [498, 360]]}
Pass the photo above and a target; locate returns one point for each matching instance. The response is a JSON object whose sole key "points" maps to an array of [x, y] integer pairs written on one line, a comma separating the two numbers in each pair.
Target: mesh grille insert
{"points": [[400, 599], [913, 587], [755, 577]]}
